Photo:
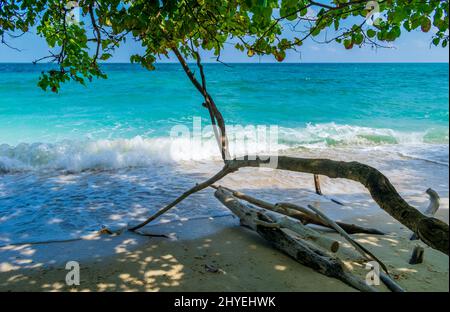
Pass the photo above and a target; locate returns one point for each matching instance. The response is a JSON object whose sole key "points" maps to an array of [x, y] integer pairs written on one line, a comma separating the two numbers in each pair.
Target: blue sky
{"points": [[411, 47]]}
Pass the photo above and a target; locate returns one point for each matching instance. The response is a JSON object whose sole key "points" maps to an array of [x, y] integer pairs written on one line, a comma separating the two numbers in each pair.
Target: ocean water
{"points": [[104, 155]]}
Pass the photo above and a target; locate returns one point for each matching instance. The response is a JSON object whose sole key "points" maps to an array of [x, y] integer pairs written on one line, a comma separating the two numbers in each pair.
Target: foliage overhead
{"points": [[255, 27]]}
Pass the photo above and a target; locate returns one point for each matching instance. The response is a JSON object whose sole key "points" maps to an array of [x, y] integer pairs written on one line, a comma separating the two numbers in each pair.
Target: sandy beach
{"points": [[208, 255], [215, 253], [132, 132]]}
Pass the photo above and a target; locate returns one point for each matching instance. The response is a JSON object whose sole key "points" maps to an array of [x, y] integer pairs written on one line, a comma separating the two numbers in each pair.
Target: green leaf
{"points": [[105, 56], [348, 44], [426, 24], [371, 33]]}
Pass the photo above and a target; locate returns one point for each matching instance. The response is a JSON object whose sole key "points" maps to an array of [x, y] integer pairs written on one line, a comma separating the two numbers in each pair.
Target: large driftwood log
{"points": [[303, 252], [304, 216], [432, 231], [391, 284], [248, 214]]}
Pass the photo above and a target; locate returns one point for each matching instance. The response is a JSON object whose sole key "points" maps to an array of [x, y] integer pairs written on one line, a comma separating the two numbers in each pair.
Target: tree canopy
{"points": [[255, 27]]}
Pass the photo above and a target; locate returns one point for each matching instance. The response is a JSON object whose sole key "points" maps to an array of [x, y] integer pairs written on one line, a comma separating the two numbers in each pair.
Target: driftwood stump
{"points": [[418, 251], [417, 255]]}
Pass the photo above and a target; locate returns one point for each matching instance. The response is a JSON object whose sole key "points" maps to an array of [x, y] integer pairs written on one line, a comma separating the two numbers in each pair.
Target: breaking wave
{"points": [[75, 156], [331, 134]]}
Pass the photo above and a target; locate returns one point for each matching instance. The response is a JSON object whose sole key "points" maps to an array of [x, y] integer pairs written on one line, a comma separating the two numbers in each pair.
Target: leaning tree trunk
{"points": [[432, 231]]}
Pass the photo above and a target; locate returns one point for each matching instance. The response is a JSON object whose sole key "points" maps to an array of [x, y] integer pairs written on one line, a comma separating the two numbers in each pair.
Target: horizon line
{"points": [[257, 63]]}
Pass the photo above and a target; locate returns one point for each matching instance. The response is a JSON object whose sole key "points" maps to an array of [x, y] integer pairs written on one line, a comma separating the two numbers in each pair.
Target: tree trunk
{"points": [[432, 231]]}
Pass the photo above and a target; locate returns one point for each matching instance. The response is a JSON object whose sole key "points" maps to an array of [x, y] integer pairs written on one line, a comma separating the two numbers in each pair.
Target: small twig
{"points": [[151, 235]]}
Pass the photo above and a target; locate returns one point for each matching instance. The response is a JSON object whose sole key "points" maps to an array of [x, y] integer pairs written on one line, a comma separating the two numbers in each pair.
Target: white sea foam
{"points": [[332, 134], [76, 156]]}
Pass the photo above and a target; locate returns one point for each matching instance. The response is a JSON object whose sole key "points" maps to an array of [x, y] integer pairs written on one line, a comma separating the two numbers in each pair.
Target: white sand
{"points": [[245, 261]]}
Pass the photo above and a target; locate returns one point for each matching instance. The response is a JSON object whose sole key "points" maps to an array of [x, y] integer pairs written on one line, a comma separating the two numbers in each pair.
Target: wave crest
{"points": [[332, 134], [75, 156], [79, 156]]}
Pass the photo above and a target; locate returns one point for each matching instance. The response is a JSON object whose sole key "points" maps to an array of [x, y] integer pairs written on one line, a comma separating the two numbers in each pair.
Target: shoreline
{"points": [[212, 254]]}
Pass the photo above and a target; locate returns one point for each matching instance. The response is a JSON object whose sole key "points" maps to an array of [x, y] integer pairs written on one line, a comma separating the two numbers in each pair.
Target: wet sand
{"points": [[209, 255]]}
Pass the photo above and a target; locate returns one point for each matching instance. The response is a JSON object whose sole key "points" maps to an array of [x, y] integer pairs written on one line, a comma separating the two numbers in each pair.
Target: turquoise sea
{"points": [[72, 161], [406, 98]]}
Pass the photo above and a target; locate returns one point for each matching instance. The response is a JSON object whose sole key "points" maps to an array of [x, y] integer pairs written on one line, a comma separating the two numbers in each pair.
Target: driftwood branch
{"points": [[198, 187], [249, 216], [418, 251], [361, 249], [432, 231], [248, 213], [432, 207], [261, 221], [305, 216], [390, 283]]}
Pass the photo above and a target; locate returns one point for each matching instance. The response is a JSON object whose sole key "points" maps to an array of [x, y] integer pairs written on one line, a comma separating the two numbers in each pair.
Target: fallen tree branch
{"points": [[248, 215], [391, 284], [303, 252], [305, 216], [198, 187], [432, 231]]}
